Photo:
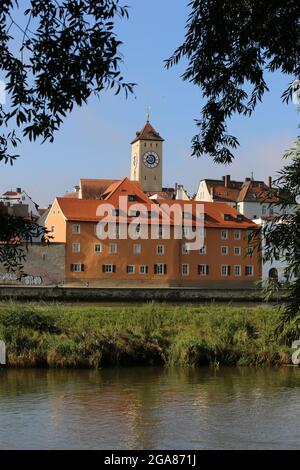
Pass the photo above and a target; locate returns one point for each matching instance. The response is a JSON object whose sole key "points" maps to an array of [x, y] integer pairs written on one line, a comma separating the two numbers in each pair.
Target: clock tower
{"points": [[146, 159]]}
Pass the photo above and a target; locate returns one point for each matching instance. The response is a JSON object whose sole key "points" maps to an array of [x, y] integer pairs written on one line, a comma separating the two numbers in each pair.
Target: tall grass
{"points": [[60, 335]]}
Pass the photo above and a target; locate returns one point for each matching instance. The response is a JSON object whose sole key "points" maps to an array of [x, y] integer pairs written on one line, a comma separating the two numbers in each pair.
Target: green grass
{"points": [[60, 335]]}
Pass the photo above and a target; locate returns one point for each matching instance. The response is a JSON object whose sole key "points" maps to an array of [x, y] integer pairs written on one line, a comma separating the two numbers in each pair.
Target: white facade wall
{"points": [[203, 194], [21, 198], [280, 265]]}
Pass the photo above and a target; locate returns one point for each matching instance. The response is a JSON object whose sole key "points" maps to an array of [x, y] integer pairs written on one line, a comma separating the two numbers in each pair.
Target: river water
{"points": [[150, 408]]}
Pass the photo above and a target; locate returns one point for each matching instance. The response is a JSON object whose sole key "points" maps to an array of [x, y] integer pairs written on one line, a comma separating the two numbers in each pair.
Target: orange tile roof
{"points": [[214, 214], [258, 191], [10, 193], [147, 133], [94, 188], [85, 210]]}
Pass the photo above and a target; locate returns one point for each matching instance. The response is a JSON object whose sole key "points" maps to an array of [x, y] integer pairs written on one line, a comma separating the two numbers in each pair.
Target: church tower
{"points": [[146, 159]]}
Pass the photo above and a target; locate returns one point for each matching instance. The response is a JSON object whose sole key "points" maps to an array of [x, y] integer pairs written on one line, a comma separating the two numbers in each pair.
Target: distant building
{"points": [[251, 198], [19, 197]]}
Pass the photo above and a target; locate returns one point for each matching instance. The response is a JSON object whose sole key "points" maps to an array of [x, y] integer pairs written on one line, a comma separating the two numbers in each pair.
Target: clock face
{"points": [[151, 159]]}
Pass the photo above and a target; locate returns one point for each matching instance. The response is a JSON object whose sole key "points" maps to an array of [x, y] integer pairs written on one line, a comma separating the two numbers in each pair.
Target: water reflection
{"points": [[150, 408]]}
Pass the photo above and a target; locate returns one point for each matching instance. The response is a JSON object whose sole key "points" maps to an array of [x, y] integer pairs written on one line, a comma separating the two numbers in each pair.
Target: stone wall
{"points": [[86, 294], [44, 265]]}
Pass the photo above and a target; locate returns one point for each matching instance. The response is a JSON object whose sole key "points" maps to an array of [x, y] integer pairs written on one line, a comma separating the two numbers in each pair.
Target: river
{"points": [[150, 408]]}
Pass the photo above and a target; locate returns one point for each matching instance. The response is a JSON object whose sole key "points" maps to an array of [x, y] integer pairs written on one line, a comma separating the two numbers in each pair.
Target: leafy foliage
{"points": [[282, 235], [229, 46], [16, 233], [67, 52]]}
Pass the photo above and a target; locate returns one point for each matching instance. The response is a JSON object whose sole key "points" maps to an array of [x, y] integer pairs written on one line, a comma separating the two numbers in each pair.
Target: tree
{"points": [[229, 46], [282, 235], [66, 51]]}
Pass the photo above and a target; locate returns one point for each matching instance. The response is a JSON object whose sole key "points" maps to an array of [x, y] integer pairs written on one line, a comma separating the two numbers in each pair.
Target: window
{"points": [[237, 270], [108, 268], [224, 234], [185, 250], [137, 249], [237, 251], [186, 215], [224, 250], [160, 269], [77, 268], [161, 231], [75, 229], [130, 269], [185, 269], [143, 269], [264, 210], [23, 198], [249, 271], [271, 211], [116, 231], [237, 235], [160, 250], [133, 213], [249, 251], [52, 229], [185, 232], [76, 247], [98, 248], [202, 232], [203, 269], [113, 248], [44, 256], [131, 197], [227, 217], [202, 250], [225, 270]]}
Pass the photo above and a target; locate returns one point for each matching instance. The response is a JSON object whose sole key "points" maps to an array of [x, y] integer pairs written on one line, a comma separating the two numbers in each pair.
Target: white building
{"points": [[253, 199], [274, 270], [20, 197]]}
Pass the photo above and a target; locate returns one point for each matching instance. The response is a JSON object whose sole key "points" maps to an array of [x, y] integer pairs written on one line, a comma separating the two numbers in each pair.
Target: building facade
{"points": [[152, 255]]}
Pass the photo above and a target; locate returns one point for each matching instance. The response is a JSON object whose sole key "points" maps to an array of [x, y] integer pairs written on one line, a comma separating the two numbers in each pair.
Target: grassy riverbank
{"points": [[60, 335]]}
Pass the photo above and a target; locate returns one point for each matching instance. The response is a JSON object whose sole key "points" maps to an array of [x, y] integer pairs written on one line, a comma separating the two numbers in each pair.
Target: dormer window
{"points": [[226, 216], [239, 218]]}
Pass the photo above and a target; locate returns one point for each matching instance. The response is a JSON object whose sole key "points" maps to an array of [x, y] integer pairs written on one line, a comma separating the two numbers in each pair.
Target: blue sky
{"points": [[94, 141]]}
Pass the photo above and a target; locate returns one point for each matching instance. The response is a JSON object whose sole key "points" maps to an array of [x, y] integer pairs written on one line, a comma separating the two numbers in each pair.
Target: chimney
{"points": [[19, 190], [227, 181], [212, 192], [270, 181], [76, 189]]}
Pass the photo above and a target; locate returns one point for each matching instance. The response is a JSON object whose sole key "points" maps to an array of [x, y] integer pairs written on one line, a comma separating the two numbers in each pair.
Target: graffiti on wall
{"points": [[27, 280], [30, 280]]}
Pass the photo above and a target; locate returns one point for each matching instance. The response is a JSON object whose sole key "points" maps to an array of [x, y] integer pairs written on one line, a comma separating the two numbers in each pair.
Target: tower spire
{"points": [[148, 113]]}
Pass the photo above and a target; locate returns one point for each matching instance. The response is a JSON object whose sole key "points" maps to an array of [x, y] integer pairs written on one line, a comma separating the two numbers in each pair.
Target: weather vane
{"points": [[148, 113]]}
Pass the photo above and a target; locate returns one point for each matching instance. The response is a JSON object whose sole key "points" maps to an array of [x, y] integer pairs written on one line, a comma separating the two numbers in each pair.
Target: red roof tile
{"points": [[147, 133]]}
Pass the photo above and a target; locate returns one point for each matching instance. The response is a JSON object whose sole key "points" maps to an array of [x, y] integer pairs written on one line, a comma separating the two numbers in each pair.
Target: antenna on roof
{"points": [[148, 113], [252, 176]]}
